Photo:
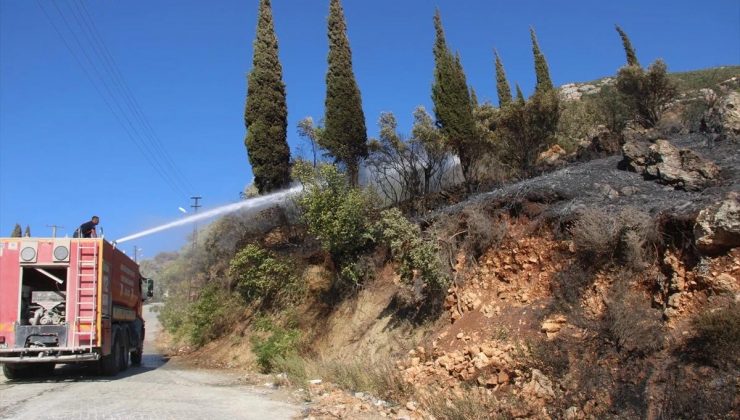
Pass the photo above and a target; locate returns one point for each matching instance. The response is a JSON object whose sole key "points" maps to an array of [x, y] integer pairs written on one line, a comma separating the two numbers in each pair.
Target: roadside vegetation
{"points": [[269, 278]]}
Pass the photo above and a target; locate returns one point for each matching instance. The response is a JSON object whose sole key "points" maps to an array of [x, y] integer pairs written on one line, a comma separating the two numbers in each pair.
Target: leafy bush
{"points": [[335, 213], [259, 275], [648, 92], [525, 129], [273, 343], [210, 315], [577, 119], [610, 108], [415, 256], [718, 336]]}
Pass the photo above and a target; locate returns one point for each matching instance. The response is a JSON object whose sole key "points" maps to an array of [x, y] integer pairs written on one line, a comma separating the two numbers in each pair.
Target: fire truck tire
{"points": [[124, 353], [110, 364], [136, 357], [16, 371], [43, 369]]}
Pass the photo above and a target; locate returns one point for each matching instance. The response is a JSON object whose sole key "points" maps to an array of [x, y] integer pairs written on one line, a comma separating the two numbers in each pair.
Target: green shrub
{"points": [[210, 315], [648, 92], [414, 255], [526, 129], [259, 275], [610, 108], [335, 213], [273, 343], [577, 119]]}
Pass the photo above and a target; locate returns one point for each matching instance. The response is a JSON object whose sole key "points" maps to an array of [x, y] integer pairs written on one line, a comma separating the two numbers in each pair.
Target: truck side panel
{"points": [[9, 289]]}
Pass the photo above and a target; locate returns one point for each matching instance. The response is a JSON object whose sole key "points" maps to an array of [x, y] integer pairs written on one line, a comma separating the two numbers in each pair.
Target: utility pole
{"points": [[195, 206], [136, 253], [54, 229]]}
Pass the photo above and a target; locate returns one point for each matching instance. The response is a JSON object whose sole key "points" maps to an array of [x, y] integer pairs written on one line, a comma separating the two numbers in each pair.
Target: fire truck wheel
{"points": [[124, 353], [110, 364], [16, 371], [43, 369], [136, 357]]}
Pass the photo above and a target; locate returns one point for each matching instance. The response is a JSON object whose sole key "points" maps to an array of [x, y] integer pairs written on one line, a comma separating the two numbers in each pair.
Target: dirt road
{"points": [[158, 389]]}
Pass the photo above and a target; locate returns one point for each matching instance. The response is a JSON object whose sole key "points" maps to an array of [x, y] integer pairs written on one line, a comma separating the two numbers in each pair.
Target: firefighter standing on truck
{"points": [[87, 229]]}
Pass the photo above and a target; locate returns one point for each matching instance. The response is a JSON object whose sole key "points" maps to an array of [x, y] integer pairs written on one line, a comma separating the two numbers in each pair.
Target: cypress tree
{"points": [[27, 233], [266, 112], [473, 97], [344, 135], [540, 65], [519, 94], [452, 105], [629, 50], [502, 85], [17, 231]]}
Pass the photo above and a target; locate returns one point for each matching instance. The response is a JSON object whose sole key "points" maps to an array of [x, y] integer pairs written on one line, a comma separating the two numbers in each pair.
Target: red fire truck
{"points": [[69, 300]]}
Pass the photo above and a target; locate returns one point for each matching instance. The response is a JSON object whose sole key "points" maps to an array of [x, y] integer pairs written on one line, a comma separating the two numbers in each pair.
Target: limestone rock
{"points": [[717, 227], [540, 386], [552, 156], [724, 116], [680, 168], [599, 142], [553, 325], [723, 283]]}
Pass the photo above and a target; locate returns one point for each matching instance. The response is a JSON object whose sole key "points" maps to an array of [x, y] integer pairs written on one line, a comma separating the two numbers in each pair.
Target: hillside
{"points": [[604, 286]]}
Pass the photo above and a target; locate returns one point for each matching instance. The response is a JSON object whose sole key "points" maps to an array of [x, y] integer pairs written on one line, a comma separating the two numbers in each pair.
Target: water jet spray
{"points": [[251, 204]]}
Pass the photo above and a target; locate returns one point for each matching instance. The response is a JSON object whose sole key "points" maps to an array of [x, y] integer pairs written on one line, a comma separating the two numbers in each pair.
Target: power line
{"points": [[133, 103], [120, 115]]}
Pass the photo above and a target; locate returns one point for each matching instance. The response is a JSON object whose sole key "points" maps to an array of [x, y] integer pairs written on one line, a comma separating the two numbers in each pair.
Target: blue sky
{"points": [[64, 155]]}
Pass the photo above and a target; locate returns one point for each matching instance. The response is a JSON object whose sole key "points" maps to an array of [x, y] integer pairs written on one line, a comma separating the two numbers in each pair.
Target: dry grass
{"points": [[634, 325], [376, 377], [718, 336], [627, 237], [469, 404]]}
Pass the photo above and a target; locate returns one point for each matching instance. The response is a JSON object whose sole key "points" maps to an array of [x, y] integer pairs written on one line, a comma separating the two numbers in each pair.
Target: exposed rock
{"points": [[680, 168], [599, 142], [574, 91], [540, 386], [552, 156], [724, 116], [553, 325], [723, 283], [717, 227], [637, 133]]}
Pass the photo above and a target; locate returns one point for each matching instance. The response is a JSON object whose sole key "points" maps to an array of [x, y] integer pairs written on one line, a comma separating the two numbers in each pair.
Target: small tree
{"points": [[648, 93], [452, 104], [527, 128], [308, 130], [17, 231], [27, 232], [407, 169]]}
